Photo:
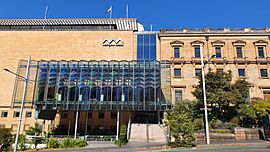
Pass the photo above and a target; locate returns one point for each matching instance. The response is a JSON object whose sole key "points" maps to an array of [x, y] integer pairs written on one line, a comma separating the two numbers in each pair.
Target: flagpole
{"points": [[45, 16], [127, 11], [110, 17]]}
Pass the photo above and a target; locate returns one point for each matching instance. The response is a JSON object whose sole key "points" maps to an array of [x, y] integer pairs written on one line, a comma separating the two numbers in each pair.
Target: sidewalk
{"points": [[233, 143]]}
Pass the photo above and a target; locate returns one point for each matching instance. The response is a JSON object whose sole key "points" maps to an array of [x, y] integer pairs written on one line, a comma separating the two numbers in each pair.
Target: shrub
{"points": [[198, 124], [53, 143], [73, 143], [216, 123], [123, 136], [246, 115], [22, 142], [6, 138], [234, 122]]}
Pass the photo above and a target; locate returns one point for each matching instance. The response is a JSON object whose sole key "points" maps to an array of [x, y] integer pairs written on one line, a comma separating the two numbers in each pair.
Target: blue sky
{"points": [[159, 13]]}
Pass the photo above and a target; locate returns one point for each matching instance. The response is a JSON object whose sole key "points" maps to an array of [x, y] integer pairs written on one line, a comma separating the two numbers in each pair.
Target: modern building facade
{"points": [[113, 72]]}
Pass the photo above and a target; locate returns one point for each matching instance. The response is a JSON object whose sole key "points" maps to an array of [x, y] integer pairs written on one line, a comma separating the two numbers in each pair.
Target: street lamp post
{"points": [[23, 100], [204, 98]]}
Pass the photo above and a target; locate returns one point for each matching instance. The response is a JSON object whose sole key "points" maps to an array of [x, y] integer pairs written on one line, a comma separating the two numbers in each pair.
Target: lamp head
{"points": [[6, 70], [213, 56]]}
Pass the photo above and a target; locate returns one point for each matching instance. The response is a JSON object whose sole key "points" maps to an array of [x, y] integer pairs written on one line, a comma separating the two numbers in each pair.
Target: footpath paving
{"points": [[230, 146]]}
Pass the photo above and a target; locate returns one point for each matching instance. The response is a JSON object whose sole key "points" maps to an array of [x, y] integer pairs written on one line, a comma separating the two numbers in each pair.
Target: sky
{"points": [[158, 13]]}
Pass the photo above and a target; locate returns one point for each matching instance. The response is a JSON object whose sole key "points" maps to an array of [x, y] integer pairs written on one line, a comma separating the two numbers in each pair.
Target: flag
{"points": [[109, 10]]}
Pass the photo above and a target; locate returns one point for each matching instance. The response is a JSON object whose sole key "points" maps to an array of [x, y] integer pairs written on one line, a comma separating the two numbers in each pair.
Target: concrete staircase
{"points": [[147, 132]]}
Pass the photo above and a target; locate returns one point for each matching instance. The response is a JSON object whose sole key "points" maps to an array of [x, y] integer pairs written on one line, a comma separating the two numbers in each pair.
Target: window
{"points": [[239, 52], [198, 72], [219, 70], [241, 72], [146, 47], [266, 93], [16, 114], [197, 50], [264, 73], [261, 52], [218, 52], [176, 52], [90, 115], [65, 115], [101, 115], [178, 95], [113, 115], [4, 114], [177, 73], [28, 114]]}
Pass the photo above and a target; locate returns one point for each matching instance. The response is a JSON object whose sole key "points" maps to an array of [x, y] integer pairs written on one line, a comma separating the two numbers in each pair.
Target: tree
{"points": [[246, 115], [36, 132], [179, 119], [6, 138], [262, 108], [223, 96]]}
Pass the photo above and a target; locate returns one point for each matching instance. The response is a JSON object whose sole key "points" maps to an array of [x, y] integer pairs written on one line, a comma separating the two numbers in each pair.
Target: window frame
{"points": [[176, 69], [175, 95], [242, 51], [14, 114], [221, 54], [179, 52], [263, 51], [197, 47], [267, 75], [239, 75], [100, 114], [26, 114], [196, 72], [2, 114]]}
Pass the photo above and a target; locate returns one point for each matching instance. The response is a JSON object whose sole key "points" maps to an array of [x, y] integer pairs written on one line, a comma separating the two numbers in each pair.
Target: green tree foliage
{"points": [[36, 132], [262, 108], [180, 122], [6, 138], [246, 115], [22, 141], [223, 95]]}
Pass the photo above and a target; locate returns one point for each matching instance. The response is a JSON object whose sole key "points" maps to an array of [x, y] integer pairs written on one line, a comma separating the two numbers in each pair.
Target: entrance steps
{"points": [[147, 133]]}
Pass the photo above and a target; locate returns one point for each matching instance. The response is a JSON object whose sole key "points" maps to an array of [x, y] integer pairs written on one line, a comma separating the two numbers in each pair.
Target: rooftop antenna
{"points": [[46, 14]]}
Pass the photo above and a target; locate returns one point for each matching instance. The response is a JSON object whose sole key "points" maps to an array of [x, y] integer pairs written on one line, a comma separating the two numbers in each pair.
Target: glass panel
{"points": [[218, 52], [176, 52], [264, 73], [239, 52], [178, 96], [197, 51], [261, 52], [241, 72], [177, 72], [198, 72]]}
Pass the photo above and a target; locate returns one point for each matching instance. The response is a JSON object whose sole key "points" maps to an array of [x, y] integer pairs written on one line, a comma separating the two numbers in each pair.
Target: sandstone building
{"points": [[113, 72]]}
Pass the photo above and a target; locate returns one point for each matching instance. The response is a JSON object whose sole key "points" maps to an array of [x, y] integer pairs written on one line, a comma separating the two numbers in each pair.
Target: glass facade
{"points": [[100, 85], [146, 47]]}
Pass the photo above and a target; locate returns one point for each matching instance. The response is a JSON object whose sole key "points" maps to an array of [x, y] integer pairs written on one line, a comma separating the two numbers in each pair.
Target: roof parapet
{"points": [[216, 30]]}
